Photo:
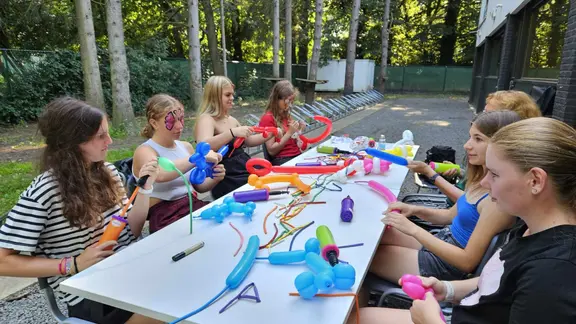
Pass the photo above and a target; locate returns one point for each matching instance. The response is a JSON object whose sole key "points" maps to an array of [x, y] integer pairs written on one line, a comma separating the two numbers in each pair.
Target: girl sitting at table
{"points": [[277, 114], [517, 101], [169, 199], [61, 216], [531, 172], [215, 126], [473, 221]]}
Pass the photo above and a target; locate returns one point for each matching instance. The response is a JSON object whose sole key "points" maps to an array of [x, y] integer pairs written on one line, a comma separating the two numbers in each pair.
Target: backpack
{"points": [[440, 153]]}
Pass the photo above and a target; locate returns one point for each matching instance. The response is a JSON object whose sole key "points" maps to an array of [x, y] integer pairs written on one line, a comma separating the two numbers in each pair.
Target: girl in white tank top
{"points": [[169, 198]]}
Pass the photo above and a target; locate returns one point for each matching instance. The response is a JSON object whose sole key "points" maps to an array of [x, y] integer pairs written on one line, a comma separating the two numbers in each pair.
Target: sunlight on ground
{"points": [[414, 113], [399, 108], [441, 123]]}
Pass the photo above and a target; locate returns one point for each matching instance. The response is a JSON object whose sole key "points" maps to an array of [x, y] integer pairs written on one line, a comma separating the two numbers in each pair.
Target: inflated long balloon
{"points": [[235, 277], [387, 156]]}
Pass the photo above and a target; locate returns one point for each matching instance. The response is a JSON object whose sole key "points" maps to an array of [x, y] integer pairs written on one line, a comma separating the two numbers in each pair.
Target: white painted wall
{"points": [[493, 15], [335, 71]]}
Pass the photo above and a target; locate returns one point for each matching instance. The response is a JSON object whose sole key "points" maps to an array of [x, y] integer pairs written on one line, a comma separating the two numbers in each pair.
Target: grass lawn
{"points": [[15, 177]]}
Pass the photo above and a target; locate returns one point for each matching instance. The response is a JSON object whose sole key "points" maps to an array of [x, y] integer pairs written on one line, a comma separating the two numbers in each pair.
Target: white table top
{"points": [[143, 279]]}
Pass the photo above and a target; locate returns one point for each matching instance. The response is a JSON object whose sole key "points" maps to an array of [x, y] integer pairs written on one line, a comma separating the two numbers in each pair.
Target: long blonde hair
{"points": [[212, 98], [544, 143], [488, 123], [156, 106], [517, 101], [281, 91]]}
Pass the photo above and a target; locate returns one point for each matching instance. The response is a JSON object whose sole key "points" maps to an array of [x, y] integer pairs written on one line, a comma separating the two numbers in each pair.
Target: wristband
{"points": [[68, 265], [232, 133], [61, 268], [449, 291], [143, 191], [75, 266], [432, 179]]}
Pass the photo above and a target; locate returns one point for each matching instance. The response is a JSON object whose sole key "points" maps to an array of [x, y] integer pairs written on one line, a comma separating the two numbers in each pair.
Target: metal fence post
{"points": [[445, 76]]}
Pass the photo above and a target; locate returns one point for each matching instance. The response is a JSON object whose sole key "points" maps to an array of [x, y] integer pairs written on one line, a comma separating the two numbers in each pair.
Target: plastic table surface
{"points": [[142, 278]]}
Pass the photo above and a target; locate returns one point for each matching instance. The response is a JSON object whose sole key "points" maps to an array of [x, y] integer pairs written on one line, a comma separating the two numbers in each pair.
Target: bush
{"points": [[42, 77]]}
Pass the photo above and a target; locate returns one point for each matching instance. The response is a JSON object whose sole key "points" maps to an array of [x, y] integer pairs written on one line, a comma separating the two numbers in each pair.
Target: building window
{"points": [[495, 55], [549, 23]]}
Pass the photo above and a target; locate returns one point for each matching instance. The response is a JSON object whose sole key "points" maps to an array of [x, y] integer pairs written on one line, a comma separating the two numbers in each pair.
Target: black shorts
{"points": [[96, 312], [431, 265]]}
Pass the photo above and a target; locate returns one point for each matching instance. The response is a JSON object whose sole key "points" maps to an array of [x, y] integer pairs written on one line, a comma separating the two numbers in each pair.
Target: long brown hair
{"points": [[87, 189], [544, 143], [281, 91], [488, 123]]}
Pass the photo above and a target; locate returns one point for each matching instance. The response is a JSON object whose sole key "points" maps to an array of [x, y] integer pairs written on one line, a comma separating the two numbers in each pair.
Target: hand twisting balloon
{"points": [[413, 287]]}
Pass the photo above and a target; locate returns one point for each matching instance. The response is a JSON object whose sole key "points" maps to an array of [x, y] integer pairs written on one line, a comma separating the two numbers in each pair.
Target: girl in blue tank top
{"points": [[472, 222]]}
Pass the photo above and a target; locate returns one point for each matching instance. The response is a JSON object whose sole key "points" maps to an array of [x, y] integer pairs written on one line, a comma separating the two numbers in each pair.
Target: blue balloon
{"points": [[304, 283], [286, 257], [240, 272], [345, 276], [387, 156], [312, 245]]}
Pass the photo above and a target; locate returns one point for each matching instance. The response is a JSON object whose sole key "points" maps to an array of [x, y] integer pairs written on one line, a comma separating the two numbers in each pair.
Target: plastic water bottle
{"points": [[382, 142]]}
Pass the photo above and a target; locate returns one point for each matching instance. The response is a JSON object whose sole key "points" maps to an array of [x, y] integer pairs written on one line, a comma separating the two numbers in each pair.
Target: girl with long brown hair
{"points": [[60, 218], [531, 173], [277, 114], [472, 222]]}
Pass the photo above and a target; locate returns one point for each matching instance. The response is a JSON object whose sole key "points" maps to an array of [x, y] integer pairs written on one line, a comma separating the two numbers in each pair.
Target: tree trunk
{"points": [[385, 38], [237, 30], [351, 52], [223, 32], [276, 42], [304, 38], [173, 32], [315, 52], [89, 55], [194, 54], [448, 41], [288, 41], [122, 112], [217, 67]]}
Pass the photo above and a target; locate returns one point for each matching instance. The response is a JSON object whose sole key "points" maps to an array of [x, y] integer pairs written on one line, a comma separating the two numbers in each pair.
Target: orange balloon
{"points": [[294, 179]]}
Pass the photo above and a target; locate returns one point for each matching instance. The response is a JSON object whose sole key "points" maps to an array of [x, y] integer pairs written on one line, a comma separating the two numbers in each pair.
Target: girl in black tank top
{"points": [[215, 111]]}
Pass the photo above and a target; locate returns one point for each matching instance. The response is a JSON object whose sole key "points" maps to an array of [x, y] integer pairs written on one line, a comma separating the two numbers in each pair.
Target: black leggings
{"points": [[96, 312]]}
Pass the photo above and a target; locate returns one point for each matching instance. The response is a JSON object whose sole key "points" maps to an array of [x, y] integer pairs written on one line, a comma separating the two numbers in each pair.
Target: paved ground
{"points": [[431, 120]]}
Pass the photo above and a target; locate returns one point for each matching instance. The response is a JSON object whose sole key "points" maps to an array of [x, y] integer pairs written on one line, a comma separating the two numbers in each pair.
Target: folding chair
{"points": [[53, 306]]}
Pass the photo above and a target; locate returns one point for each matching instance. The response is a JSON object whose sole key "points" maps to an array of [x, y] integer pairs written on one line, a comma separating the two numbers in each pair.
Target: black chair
{"points": [[53, 306], [387, 294], [124, 168], [545, 97]]}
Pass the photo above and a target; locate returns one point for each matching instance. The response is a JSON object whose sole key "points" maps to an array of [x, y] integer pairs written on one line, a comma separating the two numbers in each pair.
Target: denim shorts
{"points": [[430, 265]]}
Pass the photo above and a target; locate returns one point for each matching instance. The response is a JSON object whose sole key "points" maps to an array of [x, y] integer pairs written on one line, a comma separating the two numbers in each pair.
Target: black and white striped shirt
{"points": [[36, 225]]}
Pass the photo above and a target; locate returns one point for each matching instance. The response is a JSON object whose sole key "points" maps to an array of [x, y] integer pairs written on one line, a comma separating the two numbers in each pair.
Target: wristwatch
{"points": [[432, 179]]}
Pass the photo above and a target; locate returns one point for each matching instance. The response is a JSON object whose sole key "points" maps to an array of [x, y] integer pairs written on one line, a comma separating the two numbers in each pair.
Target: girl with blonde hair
{"points": [[169, 200], [531, 173], [217, 127], [517, 101]]}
